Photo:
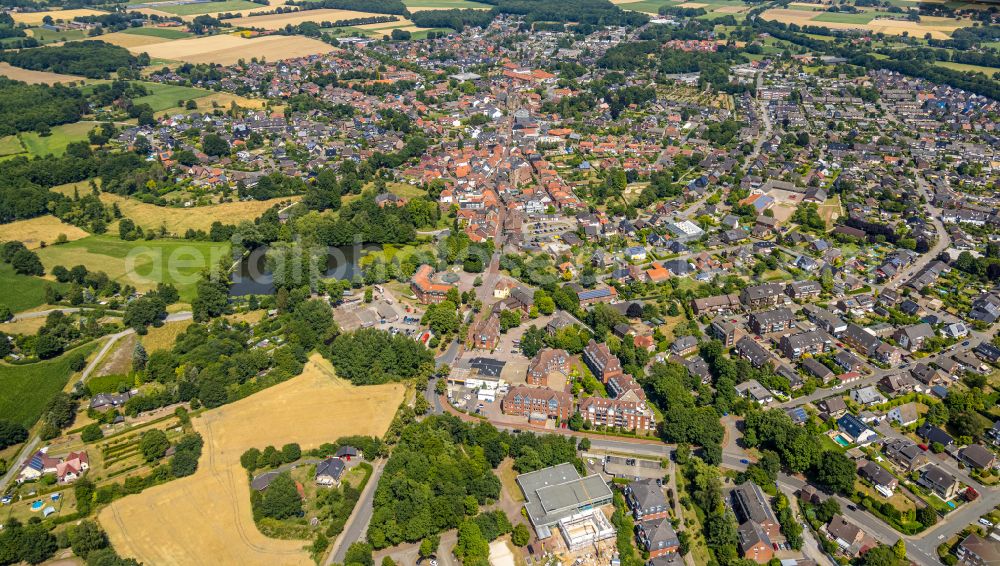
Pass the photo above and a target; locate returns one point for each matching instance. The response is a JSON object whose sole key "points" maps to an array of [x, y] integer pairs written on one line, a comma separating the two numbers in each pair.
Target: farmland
{"points": [[279, 21], [420, 5], [22, 292], [939, 28], [49, 36], [131, 40], [179, 220], [39, 229], [27, 388], [166, 96], [10, 145], [228, 49], [36, 77], [163, 33], [206, 7], [167, 524], [142, 264], [36, 18], [163, 337]]}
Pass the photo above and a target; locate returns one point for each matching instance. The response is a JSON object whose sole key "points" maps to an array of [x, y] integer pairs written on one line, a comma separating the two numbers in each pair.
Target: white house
{"points": [[904, 415]]}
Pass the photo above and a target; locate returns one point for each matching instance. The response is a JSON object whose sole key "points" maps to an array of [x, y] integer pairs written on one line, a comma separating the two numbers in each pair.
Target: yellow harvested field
{"points": [[730, 10], [279, 21], [206, 518], [190, 17], [217, 100], [939, 28], [179, 220], [40, 229], [35, 18], [228, 49], [26, 326], [129, 40], [36, 77], [163, 338], [426, 8], [403, 22]]}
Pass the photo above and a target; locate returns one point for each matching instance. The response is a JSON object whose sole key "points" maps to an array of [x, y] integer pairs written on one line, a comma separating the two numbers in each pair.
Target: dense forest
{"points": [[370, 356], [25, 107], [91, 59]]}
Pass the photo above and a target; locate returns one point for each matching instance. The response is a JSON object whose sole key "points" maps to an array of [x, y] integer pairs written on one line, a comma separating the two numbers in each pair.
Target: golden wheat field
{"points": [[35, 18], [206, 518], [228, 49], [179, 220], [36, 77], [39, 229], [279, 21], [939, 28]]}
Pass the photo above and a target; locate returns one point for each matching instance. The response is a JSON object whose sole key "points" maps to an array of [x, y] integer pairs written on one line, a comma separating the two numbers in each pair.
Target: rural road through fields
{"points": [[357, 524], [29, 448]]}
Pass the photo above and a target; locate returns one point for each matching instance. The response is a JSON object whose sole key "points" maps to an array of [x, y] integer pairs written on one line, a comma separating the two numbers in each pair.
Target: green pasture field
{"points": [[166, 96], [56, 142], [22, 292], [166, 33], [27, 388], [207, 7]]}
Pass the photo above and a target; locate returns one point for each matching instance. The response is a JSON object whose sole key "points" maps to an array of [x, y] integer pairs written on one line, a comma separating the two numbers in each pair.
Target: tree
{"points": [[26, 262], [11, 433], [584, 444], [281, 500], [836, 471], [142, 312], [76, 361], [215, 145], [91, 432], [471, 544], [86, 538], [521, 535], [927, 516], [291, 452], [428, 546], [358, 553], [509, 319], [881, 555], [5, 313], [48, 346], [139, 357], [249, 459], [153, 444], [899, 549]]}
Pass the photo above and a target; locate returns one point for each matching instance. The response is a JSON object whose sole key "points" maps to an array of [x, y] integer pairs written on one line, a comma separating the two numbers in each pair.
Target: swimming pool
{"points": [[839, 439], [37, 505]]}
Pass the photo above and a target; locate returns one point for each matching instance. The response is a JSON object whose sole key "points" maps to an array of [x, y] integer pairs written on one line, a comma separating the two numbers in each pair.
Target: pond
{"points": [[252, 277]]}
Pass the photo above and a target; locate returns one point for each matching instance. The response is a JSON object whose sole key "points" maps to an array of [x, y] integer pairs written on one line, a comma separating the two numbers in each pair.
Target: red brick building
{"points": [[545, 362], [527, 401], [426, 290]]}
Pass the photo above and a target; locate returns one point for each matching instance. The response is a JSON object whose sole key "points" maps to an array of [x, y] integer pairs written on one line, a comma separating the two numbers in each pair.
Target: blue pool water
{"points": [[37, 505], [839, 439]]}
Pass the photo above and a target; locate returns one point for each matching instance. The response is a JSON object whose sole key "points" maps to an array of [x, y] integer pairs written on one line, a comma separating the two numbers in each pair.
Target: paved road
{"points": [[42, 314], [357, 524]]}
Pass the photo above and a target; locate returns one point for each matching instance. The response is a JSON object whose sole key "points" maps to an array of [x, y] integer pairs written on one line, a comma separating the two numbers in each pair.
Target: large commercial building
{"points": [[557, 493]]}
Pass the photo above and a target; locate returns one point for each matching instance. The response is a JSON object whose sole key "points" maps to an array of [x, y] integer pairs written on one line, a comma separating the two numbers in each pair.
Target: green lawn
{"points": [[423, 33], [49, 36], [845, 18], [648, 6], [166, 33], [25, 389], [56, 142], [10, 145], [445, 4], [988, 71], [166, 96], [22, 292], [142, 263], [207, 7]]}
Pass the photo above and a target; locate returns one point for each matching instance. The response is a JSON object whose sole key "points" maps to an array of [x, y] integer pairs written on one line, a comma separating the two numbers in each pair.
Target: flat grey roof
{"points": [[559, 491]]}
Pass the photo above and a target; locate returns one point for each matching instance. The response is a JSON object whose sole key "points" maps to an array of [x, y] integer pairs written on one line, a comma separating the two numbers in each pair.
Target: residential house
{"points": [[813, 342], [776, 320], [717, 304], [832, 407], [817, 369], [724, 330], [912, 337], [750, 350], [978, 456], [484, 334], [646, 500], [684, 345], [883, 482], [867, 396], [762, 296], [753, 390], [329, 472], [615, 413], [602, 363], [933, 434], [537, 403], [758, 524], [903, 415], [545, 362], [904, 453], [855, 429], [754, 544], [658, 538], [847, 535], [803, 290], [977, 551], [943, 484]]}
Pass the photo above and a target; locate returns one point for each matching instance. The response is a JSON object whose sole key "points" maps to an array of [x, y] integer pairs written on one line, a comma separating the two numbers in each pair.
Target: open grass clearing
{"points": [[55, 143], [206, 518], [165, 33], [37, 18], [26, 326], [198, 8], [141, 264], [180, 220], [27, 388], [988, 71], [34, 231], [229, 49], [10, 145], [163, 96], [22, 292], [44, 35], [163, 337], [420, 5]]}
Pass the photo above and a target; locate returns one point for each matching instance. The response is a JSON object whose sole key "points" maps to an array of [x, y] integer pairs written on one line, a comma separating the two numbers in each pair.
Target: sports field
{"points": [[228, 49], [179, 220], [36, 18], [141, 263], [27, 388], [36, 77], [206, 518], [22, 292], [40, 229]]}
